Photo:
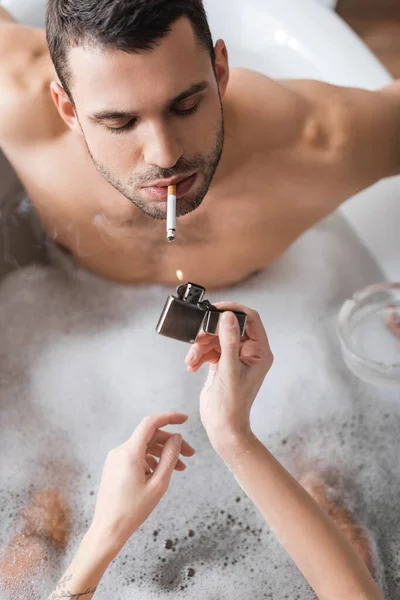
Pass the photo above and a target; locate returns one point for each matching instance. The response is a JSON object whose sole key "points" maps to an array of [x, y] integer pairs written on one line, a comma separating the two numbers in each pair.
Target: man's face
{"points": [[151, 119]]}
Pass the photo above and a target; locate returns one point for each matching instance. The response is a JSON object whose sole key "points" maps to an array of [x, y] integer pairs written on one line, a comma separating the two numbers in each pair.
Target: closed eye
{"points": [[125, 127], [181, 112], [187, 111]]}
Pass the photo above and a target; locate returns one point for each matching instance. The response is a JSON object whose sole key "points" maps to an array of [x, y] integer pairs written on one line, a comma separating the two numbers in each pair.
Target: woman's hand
{"points": [[136, 475], [238, 367]]}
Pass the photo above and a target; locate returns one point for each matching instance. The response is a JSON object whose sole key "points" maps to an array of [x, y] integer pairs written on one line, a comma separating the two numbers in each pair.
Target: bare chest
{"points": [[241, 227], [214, 247]]}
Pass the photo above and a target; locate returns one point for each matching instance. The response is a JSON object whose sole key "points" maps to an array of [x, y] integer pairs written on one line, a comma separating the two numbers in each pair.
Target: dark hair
{"points": [[127, 25]]}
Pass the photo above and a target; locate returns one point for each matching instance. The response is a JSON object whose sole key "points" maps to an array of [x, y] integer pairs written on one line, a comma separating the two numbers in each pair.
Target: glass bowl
{"points": [[369, 332]]}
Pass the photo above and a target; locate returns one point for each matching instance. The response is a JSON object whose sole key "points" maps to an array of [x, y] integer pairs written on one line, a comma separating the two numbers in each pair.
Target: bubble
{"points": [[77, 374]]}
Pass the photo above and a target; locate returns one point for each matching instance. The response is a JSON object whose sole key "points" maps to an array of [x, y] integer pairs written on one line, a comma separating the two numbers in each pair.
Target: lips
{"points": [[160, 193]]}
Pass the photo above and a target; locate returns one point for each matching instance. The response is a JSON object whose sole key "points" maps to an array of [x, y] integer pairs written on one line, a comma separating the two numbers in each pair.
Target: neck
{"points": [[231, 156]]}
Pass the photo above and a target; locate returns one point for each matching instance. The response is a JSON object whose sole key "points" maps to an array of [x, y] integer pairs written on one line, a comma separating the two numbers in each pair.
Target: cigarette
{"points": [[171, 213]]}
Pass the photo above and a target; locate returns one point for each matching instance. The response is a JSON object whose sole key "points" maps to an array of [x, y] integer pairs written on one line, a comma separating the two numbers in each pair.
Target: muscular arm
{"points": [[351, 136], [324, 143]]}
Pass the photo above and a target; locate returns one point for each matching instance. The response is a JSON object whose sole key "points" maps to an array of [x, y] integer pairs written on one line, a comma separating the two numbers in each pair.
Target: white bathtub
{"points": [[295, 39], [77, 356]]}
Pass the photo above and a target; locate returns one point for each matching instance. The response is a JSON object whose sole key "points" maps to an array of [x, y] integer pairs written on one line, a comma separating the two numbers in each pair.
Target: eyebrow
{"points": [[102, 115]]}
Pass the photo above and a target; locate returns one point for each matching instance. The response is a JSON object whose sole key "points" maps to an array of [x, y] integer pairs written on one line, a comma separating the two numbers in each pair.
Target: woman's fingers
{"points": [[208, 357], [156, 450], [254, 327], [152, 462], [161, 437], [204, 338], [161, 477], [198, 350], [146, 429], [255, 346]]}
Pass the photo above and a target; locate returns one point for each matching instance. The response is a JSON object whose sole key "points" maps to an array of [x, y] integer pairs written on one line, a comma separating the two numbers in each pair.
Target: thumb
{"points": [[169, 457], [229, 339]]}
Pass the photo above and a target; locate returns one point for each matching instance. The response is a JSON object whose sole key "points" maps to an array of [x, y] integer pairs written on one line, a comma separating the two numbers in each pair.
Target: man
{"points": [[133, 96]]}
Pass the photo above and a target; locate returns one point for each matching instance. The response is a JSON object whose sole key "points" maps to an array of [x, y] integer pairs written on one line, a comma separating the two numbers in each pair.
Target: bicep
{"points": [[351, 136]]}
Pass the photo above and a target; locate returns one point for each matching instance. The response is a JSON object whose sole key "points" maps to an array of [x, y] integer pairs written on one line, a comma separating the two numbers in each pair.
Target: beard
{"points": [[204, 165]]}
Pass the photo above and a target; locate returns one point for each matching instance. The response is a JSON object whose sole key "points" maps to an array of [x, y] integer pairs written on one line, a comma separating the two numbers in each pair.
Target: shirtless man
{"points": [[140, 97]]}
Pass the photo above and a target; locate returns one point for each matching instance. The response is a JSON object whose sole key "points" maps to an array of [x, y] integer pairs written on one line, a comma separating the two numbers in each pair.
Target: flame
{"points": [[179, 275]]}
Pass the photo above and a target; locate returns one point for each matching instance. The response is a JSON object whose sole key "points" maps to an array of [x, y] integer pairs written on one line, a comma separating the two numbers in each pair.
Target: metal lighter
{"points": [[185, 315]]}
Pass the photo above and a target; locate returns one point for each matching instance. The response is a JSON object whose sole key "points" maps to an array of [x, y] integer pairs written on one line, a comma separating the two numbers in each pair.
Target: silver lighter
{"points": [[185, 315]]}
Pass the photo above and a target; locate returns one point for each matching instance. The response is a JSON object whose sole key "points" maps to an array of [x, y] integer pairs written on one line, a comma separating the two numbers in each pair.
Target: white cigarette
{"points": [[171, 213]]}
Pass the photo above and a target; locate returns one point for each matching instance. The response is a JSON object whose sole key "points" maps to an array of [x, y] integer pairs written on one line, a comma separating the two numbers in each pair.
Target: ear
{"points": [[65, 106], [221, 66]]}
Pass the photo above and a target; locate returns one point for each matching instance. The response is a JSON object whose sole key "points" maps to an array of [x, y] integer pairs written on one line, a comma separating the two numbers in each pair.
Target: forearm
{"points": [[327, 560], [83, 576]]}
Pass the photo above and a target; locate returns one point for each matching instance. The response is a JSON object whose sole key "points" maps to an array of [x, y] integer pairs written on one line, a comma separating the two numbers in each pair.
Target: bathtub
{"points": [[287, 39], [76, 351]]}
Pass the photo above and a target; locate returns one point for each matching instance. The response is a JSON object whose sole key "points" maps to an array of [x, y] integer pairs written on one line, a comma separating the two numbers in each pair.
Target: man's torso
{"points": [[263, 197]]}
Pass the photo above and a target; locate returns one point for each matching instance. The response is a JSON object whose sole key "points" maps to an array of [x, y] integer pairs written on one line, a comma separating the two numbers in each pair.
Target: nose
{"points": [[161, 149]]}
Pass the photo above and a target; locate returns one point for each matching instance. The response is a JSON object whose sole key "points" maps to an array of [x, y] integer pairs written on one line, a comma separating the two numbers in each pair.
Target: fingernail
{"points": [[228, 319]]}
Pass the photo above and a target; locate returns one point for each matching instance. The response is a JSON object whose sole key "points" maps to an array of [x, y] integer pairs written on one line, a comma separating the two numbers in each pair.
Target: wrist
{"points": [[101, 546], [232, 441], [92, 559]]}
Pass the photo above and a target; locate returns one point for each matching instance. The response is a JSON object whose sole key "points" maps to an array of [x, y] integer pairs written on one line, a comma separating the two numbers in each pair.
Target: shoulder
{"points": [[20, 46], [283, 112], [26, 71], [271, 112], [256, 90]]}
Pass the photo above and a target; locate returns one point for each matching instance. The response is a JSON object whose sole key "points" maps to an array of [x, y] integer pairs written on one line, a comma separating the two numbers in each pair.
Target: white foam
{"points": [[81, 364]]}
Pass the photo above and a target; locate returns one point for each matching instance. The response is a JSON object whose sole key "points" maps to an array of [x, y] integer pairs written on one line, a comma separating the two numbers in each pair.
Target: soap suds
{"points": [[80, 365], [43, 531]]}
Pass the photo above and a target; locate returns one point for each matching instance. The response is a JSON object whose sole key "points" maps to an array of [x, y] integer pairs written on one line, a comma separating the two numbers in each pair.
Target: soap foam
{"points": [[80, 365]]}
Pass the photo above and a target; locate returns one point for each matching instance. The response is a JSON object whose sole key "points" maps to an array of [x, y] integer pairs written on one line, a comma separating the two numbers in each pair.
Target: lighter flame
{"points": [[179, 275]]}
